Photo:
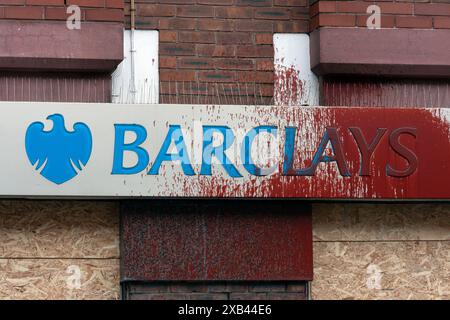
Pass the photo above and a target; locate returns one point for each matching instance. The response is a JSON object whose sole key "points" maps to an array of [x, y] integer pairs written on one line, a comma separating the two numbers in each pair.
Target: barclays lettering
{"points": [[228, 137], [59, 155]]}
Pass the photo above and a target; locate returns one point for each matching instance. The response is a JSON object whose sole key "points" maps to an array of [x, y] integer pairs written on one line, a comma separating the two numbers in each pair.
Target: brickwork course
{"points": [[91, 10], [417, 14], [226, 42]]}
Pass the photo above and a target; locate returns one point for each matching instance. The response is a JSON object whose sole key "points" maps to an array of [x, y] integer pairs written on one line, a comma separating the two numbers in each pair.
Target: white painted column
{"points": [[146, 69], [295, 83]]}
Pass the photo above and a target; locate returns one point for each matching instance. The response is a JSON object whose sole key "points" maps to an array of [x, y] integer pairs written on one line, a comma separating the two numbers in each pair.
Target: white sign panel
{"points": [[113, 150]]}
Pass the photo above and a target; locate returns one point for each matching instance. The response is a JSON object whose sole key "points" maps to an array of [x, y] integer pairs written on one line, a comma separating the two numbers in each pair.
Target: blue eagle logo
{"points": [[61, 153]]}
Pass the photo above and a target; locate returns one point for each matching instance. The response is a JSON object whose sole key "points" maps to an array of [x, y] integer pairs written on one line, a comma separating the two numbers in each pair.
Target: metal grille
{"points": [[181, 92], [190, 92], [52, 87]]}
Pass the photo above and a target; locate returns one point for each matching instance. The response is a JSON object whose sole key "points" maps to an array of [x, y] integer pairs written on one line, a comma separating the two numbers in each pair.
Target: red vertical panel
{"points": [[216, 240], [373, 92]]}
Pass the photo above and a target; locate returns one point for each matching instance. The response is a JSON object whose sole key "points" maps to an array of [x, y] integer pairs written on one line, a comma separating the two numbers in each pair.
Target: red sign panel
{"points": [[358, 153]]}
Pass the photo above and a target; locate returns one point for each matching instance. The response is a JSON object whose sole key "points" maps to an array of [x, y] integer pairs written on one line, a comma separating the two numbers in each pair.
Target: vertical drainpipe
{"points": [[132, 51]]}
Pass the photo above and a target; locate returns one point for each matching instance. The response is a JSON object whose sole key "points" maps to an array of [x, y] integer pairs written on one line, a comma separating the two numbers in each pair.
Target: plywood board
{"points": [[382, 270], [59, 229], [58, 279], [373, 222]]}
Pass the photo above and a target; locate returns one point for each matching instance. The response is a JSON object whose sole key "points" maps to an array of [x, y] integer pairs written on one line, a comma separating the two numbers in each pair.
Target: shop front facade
{"points": [[364, 216]]}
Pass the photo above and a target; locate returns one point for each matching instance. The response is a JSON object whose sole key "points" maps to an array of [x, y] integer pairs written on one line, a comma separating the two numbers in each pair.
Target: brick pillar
{"points": [[215, 249], [213, 52]]}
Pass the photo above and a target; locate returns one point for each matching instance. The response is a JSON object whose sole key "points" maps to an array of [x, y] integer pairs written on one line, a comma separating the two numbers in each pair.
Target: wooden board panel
{"points": [[59, 229], [56, 279], [382, 270], [372, 222]]}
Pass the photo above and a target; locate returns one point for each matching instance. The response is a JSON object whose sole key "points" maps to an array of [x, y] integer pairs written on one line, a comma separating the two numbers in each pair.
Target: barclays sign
{"points": [[110, 150]]}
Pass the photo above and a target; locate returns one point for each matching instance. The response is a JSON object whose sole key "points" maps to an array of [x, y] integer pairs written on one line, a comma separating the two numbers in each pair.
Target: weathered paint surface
{"points": [[381, 92], [216, 240], [408, 158], [428, 181], [295, 84], [146, 61], [431, 145]]}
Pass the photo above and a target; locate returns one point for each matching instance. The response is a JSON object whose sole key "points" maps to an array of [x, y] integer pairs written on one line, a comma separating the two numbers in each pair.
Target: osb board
{"points": [[406, 270], [59, 229], [58, 279], [371, 222]]}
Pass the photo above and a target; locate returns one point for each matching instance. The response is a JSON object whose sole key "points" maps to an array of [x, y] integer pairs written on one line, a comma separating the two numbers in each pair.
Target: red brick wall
{"points": [[91, 10], [228, 42], [419, 14], [19, 57]]}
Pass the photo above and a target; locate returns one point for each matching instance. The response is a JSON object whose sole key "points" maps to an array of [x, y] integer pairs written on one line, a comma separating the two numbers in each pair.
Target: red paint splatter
{"points": [[430, 181], [288, 86]]}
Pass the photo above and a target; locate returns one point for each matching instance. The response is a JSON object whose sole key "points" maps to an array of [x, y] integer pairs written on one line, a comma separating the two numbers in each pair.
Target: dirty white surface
{"points": [[146, 62], [295, 83]]}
